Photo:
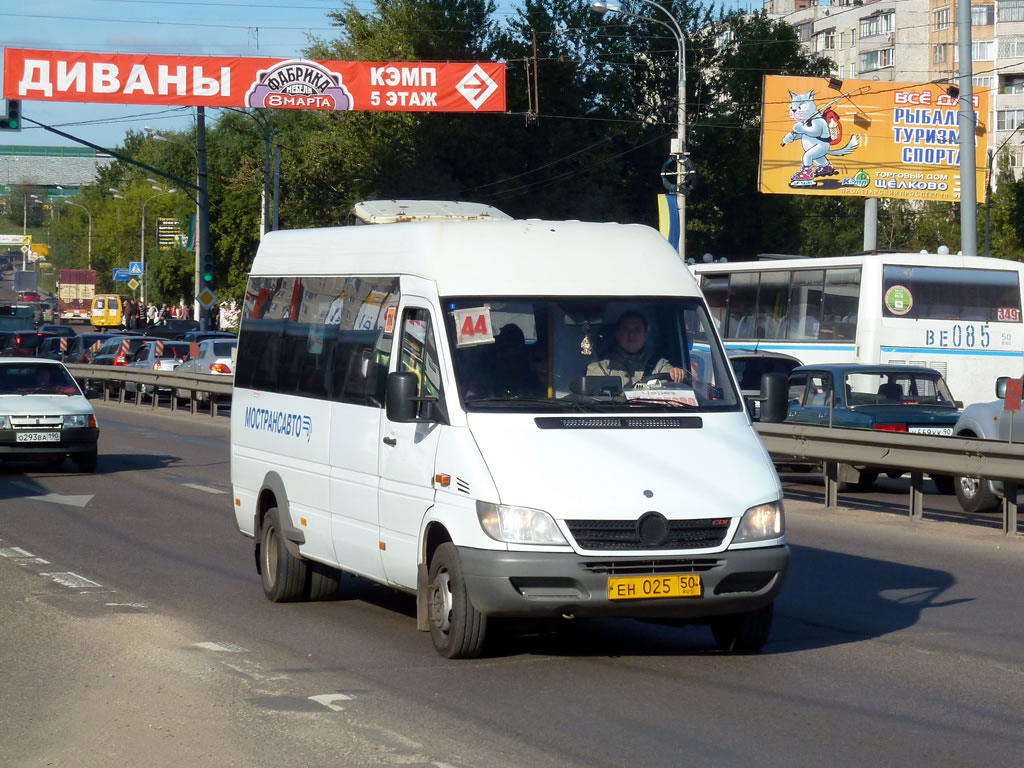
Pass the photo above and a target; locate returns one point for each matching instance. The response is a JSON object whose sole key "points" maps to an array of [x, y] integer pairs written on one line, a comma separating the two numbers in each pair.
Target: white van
{"points": [[438, 407]]}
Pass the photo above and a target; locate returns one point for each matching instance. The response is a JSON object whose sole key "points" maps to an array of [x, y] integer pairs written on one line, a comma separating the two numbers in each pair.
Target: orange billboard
{"points": [[865, 139], [217, 81]]}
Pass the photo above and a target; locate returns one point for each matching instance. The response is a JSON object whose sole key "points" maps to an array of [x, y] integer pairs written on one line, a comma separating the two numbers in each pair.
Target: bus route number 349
{"points": [[959, 336]]}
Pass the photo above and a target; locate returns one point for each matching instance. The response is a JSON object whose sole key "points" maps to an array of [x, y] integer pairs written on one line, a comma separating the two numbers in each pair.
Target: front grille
{"points": [[623, 534], [654, 567], [31, 421]]}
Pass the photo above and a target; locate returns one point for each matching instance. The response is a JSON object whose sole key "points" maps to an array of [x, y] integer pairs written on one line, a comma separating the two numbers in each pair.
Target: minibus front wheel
{"points": [[457, 628], [283, 575], [743, 632]]}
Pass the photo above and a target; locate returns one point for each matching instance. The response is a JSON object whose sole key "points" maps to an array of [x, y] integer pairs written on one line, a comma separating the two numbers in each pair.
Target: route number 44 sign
{"points": [[474, 326]]}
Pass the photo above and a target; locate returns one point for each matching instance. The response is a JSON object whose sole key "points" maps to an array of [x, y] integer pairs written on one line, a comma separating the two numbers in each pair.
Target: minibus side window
{"points": [[419, 354]]}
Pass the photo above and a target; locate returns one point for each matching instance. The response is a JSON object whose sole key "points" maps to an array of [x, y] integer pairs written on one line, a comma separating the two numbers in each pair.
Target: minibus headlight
{"points": [[518, 525], [76, 420], [765, 521], [5, 422]]}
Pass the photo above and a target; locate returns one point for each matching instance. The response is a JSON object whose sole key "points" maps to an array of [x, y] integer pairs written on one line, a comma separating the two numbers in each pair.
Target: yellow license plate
{"points": [[648, 587]]}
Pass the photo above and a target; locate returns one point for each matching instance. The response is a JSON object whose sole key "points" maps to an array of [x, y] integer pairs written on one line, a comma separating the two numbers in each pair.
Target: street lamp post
{"points": [[24, 230], [678, 148], [89, 213]]}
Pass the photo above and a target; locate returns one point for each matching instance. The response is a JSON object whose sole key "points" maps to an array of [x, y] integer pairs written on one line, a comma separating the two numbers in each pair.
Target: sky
{"points": [[261, 28]]}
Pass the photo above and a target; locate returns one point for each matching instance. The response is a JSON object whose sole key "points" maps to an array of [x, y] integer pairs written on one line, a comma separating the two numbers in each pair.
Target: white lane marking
{"points": [[15, 552], [204, 488], [126, 605], [54, 498], [328, 699], [443, 765], [253, 671], [71, 580], [221, 647]]}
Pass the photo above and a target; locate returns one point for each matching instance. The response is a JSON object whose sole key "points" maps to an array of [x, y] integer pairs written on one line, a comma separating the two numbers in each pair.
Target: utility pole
{"points": [[870, 223], [968, 131], [202, 212], [988, 201]]}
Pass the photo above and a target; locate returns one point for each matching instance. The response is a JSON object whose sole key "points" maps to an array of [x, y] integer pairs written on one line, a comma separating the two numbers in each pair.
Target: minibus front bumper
{"points": [[536, 584]]}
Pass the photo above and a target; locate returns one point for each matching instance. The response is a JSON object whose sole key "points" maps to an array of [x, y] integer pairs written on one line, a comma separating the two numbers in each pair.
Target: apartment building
{"points": [[915, 41]]}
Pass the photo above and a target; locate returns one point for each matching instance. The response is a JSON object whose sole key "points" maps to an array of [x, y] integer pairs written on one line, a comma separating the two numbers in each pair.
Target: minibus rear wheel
{"points": [[283, 575], [457, 628], [743, 632]]}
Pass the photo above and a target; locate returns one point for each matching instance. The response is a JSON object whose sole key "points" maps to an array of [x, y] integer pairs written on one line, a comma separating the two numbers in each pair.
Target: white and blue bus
{"points": [[960, 315]]}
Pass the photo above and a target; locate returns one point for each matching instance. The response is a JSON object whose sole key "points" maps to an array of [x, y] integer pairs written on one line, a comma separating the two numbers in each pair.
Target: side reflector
{"points": [[302, 520], [383, 546], [443, 480], [238, 502]]}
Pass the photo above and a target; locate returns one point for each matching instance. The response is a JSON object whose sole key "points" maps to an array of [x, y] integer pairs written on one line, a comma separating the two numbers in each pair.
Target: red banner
{"points": [[213, 81]]}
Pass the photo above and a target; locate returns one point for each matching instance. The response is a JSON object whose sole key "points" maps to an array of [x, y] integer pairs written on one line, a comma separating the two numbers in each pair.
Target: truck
{"points": [[75, 291], [26, 281]]}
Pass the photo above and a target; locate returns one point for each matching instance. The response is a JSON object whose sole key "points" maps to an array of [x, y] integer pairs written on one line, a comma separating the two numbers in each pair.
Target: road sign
{"points": [[121, 274], [24, 249], [133, 283], [207, 298], [1013, 395], [11, 239], [135, 268]]}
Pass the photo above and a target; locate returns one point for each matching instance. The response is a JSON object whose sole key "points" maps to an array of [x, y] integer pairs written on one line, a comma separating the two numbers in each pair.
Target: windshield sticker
{"points": [[898, 300], [473, 326], [1009, 314], [685, 396], [389, 319]]}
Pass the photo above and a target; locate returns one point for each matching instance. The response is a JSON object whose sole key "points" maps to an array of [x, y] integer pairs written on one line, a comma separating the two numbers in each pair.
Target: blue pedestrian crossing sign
{"points": [[134, 267]]}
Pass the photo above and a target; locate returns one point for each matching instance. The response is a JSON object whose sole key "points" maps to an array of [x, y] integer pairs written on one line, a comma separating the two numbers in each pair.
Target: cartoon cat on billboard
{"points": [[819, 130]]}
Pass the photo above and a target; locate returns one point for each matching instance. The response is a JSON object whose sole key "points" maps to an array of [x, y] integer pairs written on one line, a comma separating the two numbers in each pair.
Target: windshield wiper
{"points": [[584, 407]]}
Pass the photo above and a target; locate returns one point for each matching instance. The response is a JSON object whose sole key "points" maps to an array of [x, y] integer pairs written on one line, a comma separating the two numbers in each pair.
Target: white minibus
{"points": [[518, 419]]}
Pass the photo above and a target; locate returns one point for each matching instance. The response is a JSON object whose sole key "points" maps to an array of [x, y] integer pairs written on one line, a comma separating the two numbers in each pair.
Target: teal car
{"points": [[888, 398]]}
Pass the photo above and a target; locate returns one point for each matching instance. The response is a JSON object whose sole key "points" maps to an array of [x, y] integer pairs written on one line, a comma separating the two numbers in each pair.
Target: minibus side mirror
{"points": [[1001, 387], [399, 400], [774, 397], [402, 403]]}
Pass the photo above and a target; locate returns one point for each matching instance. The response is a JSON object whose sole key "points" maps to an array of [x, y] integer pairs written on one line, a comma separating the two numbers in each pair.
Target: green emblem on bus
{"points": [[898, 300]]}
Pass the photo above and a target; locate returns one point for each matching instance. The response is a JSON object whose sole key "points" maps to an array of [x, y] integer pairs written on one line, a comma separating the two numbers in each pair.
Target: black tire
{"points": [[866, 481], [457, 629], [284, 576], [945, 484], [743, 632], [974, 494], [86, 462], [324, 582]]}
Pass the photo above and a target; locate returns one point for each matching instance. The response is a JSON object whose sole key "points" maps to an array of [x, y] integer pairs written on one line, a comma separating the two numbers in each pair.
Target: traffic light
{"points": [[206, 268], [11, 121]]}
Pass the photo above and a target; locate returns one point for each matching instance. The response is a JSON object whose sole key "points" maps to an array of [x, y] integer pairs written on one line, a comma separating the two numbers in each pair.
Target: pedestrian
{"points": [[215, 317], [151, 314]]}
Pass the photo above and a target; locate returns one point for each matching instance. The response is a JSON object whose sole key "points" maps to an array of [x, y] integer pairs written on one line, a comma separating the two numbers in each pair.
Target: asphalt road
{"points": [[136, 633]]}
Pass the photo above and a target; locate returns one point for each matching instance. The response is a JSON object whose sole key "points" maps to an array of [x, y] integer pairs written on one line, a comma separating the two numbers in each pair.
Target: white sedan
{"points": [[214, 357]]}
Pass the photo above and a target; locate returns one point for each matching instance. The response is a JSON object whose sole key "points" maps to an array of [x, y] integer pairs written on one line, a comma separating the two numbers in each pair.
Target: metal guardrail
{"points": [[833, 446], [918, 454], [193, 383]]}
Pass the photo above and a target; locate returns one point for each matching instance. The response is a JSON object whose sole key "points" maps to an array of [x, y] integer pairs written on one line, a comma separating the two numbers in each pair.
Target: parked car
{"points": [[987, 421], [44, 414], [58, 330], [214, 358], [888, 398], [197, 336], [158, 355], [50, 348], [172, 328], [80, 348], [112, 351], [24, 343], [750, 364]]}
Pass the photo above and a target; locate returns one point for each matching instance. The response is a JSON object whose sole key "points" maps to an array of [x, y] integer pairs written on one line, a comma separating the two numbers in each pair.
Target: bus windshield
{"points": [[586, 354]]}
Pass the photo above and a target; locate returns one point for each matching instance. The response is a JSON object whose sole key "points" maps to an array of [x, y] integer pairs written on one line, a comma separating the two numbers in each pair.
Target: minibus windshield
{"points": [[587, 353]]}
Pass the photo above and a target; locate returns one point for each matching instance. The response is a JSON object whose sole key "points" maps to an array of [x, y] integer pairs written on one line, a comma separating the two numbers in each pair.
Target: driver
{"points": [[629, 360]]}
